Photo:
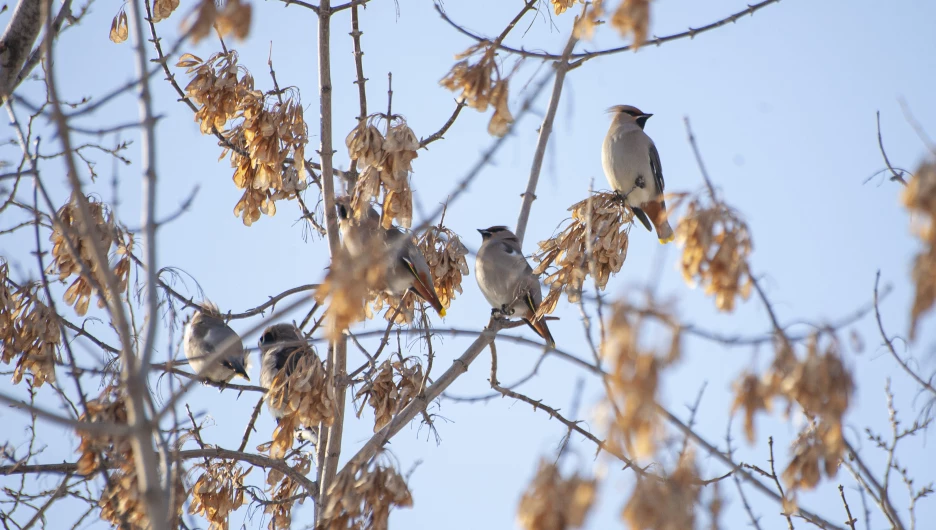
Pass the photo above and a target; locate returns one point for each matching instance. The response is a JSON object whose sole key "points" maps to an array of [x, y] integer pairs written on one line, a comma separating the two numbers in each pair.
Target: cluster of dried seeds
{"points": [[103, 233], [595, 243], [920, 198], [481, 84], [29, 329], [716, 245], [632, 17], [218, 491], [233, 19], [633, 381], [445, 255], [822, 386], [665, 503], [552, 502], [108, 408], [385, 163], [348, 285], [307, 398], [400, 310], [395, 385], [285, 493], [363, 499], [123, 506], [269, 130]]}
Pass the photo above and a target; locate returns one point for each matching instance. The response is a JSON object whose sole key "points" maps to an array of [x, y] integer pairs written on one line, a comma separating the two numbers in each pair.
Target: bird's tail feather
{"points": [[424, 288], [541, 329], [657, 212]]}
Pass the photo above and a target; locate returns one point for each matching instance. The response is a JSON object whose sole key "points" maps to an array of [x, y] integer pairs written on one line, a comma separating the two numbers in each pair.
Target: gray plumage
{"points": [[507, 280], [632, 166], [281, 348], [203, 337]]}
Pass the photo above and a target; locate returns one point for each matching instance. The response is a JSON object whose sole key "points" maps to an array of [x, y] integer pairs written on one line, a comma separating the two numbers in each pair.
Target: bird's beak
{"points": [[239, 370], [646, 116]]}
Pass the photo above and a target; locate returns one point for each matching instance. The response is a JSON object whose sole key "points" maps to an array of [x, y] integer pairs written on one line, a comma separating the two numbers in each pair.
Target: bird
{"points": [[407, 269], [507, 280], [631, 163], [203, 337], [281, 348]]}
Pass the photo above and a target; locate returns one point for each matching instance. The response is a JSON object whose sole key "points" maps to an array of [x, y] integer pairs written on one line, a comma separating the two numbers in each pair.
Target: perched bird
{"points": [[632, 165], [203, 337], [281, 348], [407, 268], [507, 280]]}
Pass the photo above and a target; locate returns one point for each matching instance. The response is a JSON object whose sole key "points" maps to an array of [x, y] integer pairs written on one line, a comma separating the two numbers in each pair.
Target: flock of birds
{"points": [[632, 165]]}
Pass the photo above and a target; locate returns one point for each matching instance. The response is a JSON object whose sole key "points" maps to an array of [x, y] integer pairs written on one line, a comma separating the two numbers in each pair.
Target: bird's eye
{"points": [[266, 338]]}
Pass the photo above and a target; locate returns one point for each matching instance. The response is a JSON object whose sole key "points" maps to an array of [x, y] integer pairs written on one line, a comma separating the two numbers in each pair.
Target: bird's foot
{"points": [[639, 183], [507, 311]]}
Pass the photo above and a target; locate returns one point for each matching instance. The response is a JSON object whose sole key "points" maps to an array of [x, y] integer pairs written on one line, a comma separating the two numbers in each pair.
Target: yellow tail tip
{"points": [[667, 240], [442, 312]]}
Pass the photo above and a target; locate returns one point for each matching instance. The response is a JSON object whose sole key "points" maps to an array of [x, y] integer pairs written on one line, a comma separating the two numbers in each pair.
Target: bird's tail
{"points": [[659, 217], [541, 329], [424, 288]]}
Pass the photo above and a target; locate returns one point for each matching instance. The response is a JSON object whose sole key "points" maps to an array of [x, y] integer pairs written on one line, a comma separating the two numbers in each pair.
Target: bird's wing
{"points": [[656, 167], [216, 335]]}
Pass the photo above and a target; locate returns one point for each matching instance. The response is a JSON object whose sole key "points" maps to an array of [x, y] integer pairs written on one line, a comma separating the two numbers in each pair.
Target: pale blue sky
{"points": [[783, 105]]}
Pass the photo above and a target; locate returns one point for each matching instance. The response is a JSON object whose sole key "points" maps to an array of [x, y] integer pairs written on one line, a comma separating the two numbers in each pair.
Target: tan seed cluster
{"points": [[399, 309], [386, 163], [347, 286], [163, 8], [123, 506], [585, 26], [595, 243], [561, 6], [120, 30], [270, 131], [633, 382], [103, 233], [481, 84], [28, 329], [632, 17], [716, 246], [809, 449], [363, 499], [307, 397], [218, 491], [233, 19], [920, 198], [108, 408], [445, 255], [552, 502], [286, 490], [665, 503], [395, 385], [821, 385]]}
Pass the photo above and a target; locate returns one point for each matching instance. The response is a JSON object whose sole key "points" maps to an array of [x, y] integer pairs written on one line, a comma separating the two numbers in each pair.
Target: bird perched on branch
{"points": [[204, 336], [407, 268], [507, 280], [632, 165], [281, 348]]}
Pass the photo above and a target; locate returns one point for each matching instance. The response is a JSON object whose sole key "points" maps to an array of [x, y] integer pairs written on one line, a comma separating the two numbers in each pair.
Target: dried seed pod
{"points": [[218, 491], [716, 246], [665, 503], [632, 17], [395, 385], [920, 198], [552, 502], [445, 255], [594, 243]]}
